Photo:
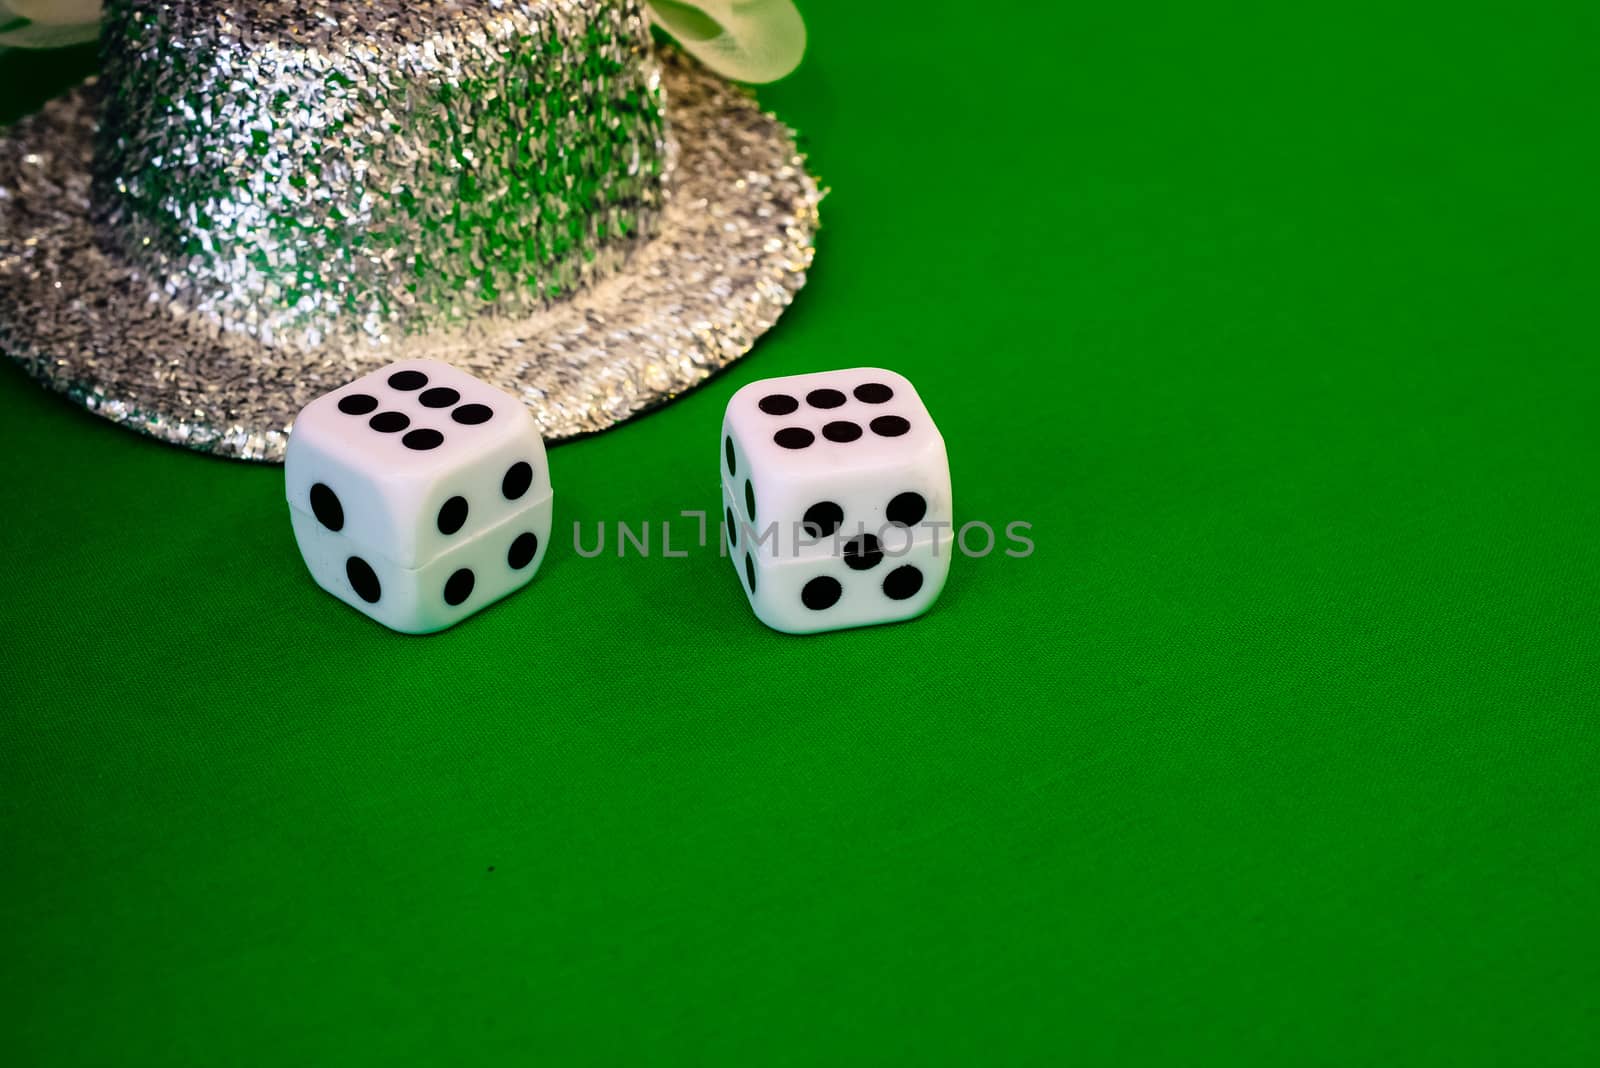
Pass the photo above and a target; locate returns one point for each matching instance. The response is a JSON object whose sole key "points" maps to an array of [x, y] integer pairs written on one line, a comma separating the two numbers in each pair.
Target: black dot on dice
{"points": [[423, 440], [778, 404], [824, 398], [907, 509], [822, 519], [472, 414], [363, 579], [749, 500], [439, 397], [522, 551], [873, 393], [326, 507], [358, 404], [841, 431], [794, 437], [902, 582], [750, 573], [733, 529], [863, 553], [519, 476], [458, 587], [452, 514], [889, 426], [389, 422], [727, 448], [821, 592], [408, 380]]}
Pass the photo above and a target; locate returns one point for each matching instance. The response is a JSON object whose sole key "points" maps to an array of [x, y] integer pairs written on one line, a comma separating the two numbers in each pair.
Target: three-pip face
{"points": [[836, 499]]}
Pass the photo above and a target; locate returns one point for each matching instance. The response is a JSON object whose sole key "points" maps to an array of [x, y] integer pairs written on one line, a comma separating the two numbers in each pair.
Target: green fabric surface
{"points": [[1279, 324]]}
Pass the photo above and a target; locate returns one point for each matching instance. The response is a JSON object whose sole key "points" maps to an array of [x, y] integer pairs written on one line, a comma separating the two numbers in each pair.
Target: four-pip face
{"points": [[419, 494]]}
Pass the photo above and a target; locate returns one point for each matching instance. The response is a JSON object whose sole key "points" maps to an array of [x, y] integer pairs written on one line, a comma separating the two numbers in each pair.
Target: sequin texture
{"points": [[283, 196]]}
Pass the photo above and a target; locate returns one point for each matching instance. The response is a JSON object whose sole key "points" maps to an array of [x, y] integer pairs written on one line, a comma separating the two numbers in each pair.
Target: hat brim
{"points": [[735, 242]]}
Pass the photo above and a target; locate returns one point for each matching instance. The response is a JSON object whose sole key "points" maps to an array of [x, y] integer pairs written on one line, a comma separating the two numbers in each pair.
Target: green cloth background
{"points": [[1280, 326]]}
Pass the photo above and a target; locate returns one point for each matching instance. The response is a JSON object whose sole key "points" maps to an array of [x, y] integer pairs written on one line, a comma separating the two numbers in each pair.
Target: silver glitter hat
{"points": [[258, 202]]}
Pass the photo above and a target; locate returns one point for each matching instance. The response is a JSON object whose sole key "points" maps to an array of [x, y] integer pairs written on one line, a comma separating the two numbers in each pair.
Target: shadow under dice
{"points": [[418, 494], [836, 499]]}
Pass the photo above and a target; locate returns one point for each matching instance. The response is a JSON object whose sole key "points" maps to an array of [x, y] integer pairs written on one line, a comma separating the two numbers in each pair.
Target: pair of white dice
{"points": [[420, 495]]}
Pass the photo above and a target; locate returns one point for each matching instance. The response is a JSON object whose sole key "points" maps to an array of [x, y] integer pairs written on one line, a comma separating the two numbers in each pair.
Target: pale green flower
{"points": [[48, 23], [746, 40]]}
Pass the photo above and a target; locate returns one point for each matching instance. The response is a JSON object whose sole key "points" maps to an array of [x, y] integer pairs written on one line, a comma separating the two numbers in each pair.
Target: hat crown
{"points": [[310, 170]]}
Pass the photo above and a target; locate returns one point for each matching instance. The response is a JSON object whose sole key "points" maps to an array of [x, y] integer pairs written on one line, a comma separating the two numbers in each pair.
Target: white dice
{"points": [[418, 494], [836, 498]]}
